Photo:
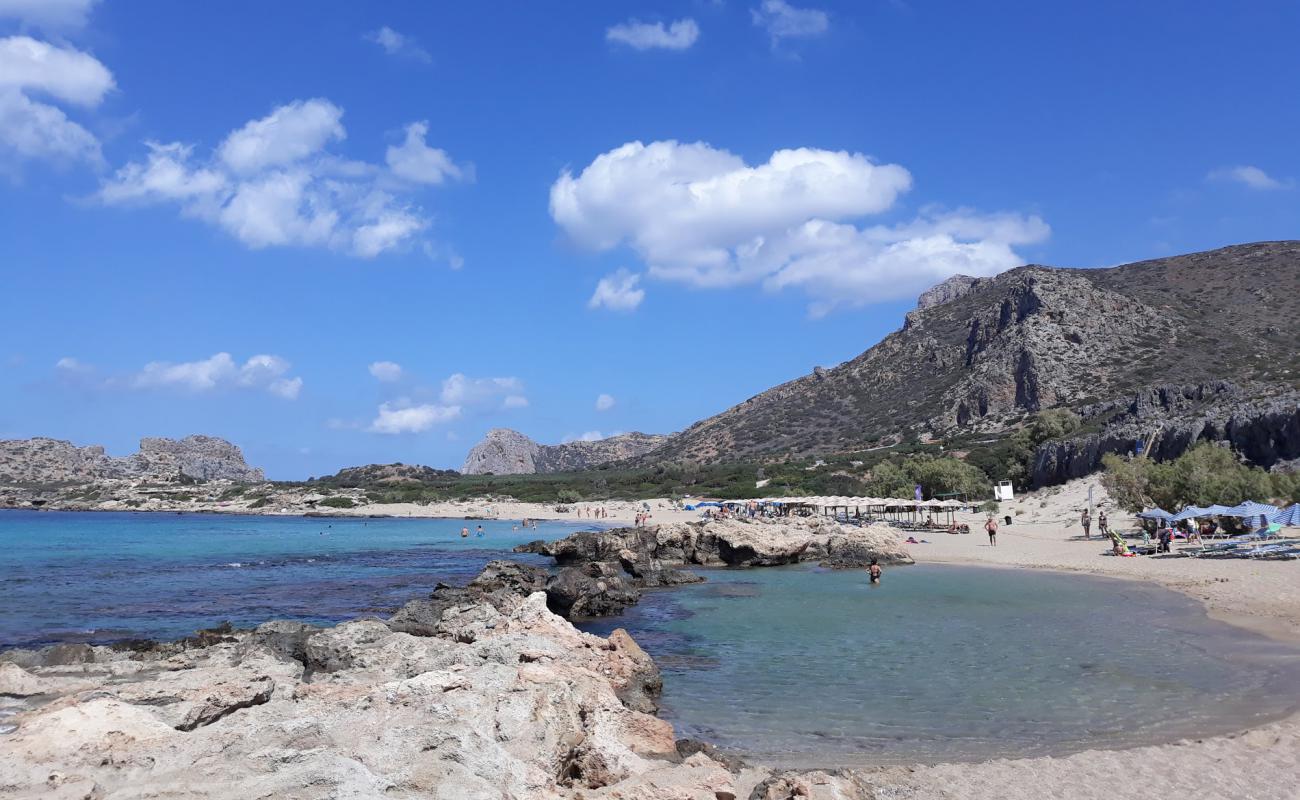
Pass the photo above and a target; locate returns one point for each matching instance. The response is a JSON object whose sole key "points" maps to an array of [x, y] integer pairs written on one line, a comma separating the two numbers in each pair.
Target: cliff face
{"points": [[45, 461], [507, 452], [1169, 420], [982, 355]]}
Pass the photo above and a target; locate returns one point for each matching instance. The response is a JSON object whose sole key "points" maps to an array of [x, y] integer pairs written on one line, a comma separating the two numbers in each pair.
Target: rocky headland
{"points": [[42, 461], [507, 452]]}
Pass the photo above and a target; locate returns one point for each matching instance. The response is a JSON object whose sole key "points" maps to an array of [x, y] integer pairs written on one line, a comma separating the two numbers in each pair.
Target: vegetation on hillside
{"points": [[1205, 475]]}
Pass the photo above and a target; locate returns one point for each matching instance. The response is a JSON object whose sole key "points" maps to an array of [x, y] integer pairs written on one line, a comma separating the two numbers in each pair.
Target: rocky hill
{"points": [[42, 461], [507, 452], [981, 355]]}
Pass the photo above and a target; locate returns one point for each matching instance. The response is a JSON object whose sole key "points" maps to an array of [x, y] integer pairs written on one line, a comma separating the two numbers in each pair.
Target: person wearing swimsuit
{"points": [[875, 571]]}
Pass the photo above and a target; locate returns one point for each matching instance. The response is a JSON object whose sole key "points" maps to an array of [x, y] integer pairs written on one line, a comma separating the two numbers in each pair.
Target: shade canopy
{"points": [[1251, 509], [1155, 513], [1288, 517], [1189, 513]]}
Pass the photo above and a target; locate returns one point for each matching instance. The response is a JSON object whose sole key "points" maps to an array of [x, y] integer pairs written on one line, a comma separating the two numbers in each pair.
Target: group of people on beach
{"points": [[1085, 519], [599, 512], [642, 518]]}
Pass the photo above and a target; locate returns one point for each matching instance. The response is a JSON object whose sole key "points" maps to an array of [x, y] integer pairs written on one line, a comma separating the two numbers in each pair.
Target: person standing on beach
{"points": [[874, 570], [992, 527], [1086, 520], [1102, 525]]}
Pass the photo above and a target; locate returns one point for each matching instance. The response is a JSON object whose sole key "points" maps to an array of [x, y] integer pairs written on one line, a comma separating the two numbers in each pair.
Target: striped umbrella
{"points": [[1251, 509], [1288, 517]]}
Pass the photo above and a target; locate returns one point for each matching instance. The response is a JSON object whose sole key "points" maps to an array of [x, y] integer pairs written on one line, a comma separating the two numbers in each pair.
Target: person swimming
{"points": [[464, 533], [875, 571]]}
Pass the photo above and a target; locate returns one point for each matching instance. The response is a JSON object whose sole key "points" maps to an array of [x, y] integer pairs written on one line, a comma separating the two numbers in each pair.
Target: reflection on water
{"points": [[804, 666]]}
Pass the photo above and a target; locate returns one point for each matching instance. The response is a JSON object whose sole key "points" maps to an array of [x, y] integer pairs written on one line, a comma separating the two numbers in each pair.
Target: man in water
{"points": [[479, 532], [1085, 519], [875, 571], [464, 533], [992, 527]]}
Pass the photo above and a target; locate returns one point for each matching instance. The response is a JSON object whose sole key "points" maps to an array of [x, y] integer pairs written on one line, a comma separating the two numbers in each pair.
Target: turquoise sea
{"points": [[793, 666], [100, 577]]}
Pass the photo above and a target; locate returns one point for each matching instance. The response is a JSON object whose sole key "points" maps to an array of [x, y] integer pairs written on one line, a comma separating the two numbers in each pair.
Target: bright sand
{"points": [[1261, 764]]}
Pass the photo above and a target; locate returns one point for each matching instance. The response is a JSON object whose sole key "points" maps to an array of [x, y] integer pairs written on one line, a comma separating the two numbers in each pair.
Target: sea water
{"points": [[793, 666], [103, 577], [802, 666]]}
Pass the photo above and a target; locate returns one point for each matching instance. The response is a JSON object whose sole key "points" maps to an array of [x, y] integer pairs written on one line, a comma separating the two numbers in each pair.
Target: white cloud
{"points": [[220, 371], [36, 130], [588, 436], [288, 388], [49, 14], [514, 401], [701, 216], [784, 21], [289, 133], [272, 183], [1250, 177], [417, 162], [395, 418], [645, 36], [604, 402], [398, 44], [70, 364], [386, 371], [63, 73], [460, 390], [618, 292], [31, 129]]}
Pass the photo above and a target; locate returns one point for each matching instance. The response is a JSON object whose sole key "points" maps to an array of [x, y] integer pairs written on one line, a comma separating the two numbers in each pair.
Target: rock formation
{"points": [[508, 702], [507, 452], [52, 461], [733, 543], [1166, 421]]}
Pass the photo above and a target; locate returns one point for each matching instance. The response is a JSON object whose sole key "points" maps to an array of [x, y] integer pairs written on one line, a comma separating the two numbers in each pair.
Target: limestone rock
{"points": [[507, 452], [46, 461]]}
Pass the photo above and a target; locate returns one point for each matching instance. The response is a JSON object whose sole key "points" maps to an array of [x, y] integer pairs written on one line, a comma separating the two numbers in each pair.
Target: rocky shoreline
{"points": [[484, 692], [481, 691]]}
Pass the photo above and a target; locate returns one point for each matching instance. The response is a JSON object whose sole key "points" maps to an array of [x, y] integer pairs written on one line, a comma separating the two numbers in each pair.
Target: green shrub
{"points": [[568, 496], [261, 502], [337, 502], [1204, 475]]}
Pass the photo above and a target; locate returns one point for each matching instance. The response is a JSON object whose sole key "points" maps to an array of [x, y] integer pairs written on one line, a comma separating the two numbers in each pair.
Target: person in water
{"points": [[464, 533], [874, 570], [479, 532]]}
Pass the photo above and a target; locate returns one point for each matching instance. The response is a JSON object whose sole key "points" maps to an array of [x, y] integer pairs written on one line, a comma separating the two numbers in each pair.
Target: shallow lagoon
{"points": [[804, 666]]}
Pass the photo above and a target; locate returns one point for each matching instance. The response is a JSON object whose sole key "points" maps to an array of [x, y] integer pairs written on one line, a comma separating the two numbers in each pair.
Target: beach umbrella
{"points": [[1155, 513], [1251, 509], [1215, 510], [1188, 513], [1288, 517]]}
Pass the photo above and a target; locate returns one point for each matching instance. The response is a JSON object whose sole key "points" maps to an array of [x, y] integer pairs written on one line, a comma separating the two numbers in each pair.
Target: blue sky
{"points": [[342, 233]]}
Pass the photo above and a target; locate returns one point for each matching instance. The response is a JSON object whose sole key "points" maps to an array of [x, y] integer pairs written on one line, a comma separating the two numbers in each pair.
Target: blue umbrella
{"points": [[1156, 513], [1215, 510], [1288, 517], [1251, 509], [1188, 513]]}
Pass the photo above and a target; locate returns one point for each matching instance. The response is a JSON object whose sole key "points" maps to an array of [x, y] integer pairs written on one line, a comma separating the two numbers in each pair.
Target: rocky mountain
{"points": [[982, 355], [52, 461], [507, 452]]}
